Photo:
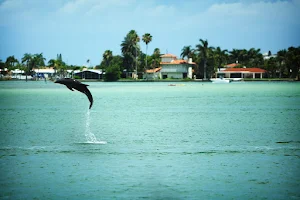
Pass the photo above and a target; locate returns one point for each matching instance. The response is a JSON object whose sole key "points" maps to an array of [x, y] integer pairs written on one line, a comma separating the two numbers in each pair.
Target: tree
{"points": [[281, 59], [156, 59], [11, 61], [130, 49], [112, 73], [58, 65], [27, 59], [51, 63], [270, 66], [253, 58], [2, 64], [234, 55], [269, 53], [187, 51], [147, 38], [107, 57], [293, 61], [204, 52], [220, 56], [37, 60]]}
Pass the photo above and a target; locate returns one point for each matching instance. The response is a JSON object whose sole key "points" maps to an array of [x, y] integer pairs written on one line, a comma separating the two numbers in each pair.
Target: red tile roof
{"points": [[232, 65], [153, 70], [168, 55], [176, 62], [257, 70]]}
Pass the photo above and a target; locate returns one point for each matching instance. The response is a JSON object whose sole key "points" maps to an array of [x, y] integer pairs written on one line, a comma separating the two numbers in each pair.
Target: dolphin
{"points": [[74, 84]]}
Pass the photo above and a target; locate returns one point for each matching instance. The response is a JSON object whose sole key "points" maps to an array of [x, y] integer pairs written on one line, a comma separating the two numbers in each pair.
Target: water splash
{"points": [[90, 137]]}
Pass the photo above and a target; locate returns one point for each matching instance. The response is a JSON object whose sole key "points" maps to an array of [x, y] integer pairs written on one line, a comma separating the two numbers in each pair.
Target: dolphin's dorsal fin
{"points": [[69, 87]]}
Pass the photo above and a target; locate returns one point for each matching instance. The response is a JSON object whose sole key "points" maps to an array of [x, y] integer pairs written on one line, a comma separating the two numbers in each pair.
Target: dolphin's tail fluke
{"points": [[89, 95]]}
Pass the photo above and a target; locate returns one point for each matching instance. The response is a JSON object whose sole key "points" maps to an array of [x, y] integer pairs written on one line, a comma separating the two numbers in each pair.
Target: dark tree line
{"points": [[285, 64]]}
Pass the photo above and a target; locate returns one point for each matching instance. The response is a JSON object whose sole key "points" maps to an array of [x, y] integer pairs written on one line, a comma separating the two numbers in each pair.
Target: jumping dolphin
{"points": [[71, 83]]}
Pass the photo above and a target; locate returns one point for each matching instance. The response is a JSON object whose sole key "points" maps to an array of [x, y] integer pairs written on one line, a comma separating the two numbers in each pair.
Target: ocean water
{"points": [[150, 141]]}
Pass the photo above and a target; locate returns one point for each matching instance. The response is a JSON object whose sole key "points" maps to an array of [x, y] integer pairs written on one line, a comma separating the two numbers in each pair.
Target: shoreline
{"points": [[161, 80]]}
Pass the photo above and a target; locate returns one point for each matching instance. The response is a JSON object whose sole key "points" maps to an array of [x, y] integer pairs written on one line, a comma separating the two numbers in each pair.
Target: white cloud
{"points": [[91, 7], [72, 6]]}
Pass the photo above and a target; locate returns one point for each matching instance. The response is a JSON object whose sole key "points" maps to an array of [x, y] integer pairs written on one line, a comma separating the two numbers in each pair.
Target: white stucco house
{"points": [[171, 67], [266, 56], [241, 73], [152, 74]]}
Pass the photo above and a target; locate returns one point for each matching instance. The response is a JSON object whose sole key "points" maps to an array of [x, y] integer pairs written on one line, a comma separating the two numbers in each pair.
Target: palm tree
{"points": [[281, 58], [135, 40], [51, 63], [58, 64], [156, 58], [27, 58], [130, 49], [254, 58], [220, 56], [234, 55], [270, 66], [107, 57], [11, 61], [186, 51], [38, 60], [147, 38], [204, 52], [293, 61], [156, 52]]}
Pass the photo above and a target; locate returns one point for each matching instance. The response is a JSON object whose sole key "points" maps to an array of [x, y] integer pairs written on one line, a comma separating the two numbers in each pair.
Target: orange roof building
{"points": [[153, 70], [168, 55], [174, 68], [247, 70], [241, 73], [232, 65], [171, 67]]}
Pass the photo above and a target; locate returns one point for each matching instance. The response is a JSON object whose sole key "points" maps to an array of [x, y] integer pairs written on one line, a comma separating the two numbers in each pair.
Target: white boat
{"points": [[219, 80]]}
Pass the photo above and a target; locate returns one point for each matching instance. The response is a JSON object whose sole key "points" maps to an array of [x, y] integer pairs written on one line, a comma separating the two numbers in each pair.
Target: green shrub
{"points": [[112, 73], [77, 77]]}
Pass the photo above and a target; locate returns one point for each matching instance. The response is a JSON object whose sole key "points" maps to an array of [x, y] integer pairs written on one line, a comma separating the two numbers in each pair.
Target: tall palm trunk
{"points": [[204, 73], [27, 71], [146, 56], [136, 64]]}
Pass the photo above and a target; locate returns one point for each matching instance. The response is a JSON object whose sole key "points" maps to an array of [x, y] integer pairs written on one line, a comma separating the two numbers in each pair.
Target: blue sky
{"points": [[84, 29]]}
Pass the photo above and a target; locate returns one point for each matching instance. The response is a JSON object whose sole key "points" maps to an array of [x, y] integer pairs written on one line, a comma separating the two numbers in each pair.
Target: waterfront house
{"points": [[152, 73], [241, 73], [17, 73], [268, 55], [174, 68], [44, 72], [90, 74]]}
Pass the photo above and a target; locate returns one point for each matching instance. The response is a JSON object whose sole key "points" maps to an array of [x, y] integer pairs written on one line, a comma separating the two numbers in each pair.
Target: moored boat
{"points": [[220, 80]]}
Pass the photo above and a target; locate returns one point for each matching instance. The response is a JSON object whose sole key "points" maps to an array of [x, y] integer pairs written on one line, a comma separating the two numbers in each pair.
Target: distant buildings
{"points": [[49, 72], [171, 67], [269, 55], [241, 73], [90, 74]]}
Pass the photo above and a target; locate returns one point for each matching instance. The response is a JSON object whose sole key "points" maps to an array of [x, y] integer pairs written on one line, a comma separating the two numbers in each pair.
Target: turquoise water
{"points": [[150, 141]]}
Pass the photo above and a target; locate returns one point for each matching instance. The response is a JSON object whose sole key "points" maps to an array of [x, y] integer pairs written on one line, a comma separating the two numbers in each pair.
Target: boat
{"points": [[220, 80]]}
